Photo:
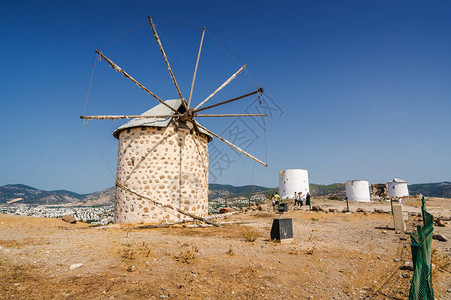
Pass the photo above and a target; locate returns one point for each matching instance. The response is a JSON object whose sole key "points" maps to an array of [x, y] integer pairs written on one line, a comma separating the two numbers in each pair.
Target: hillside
{"points": [[104, 197], [19, 193], [228, 191], [439, 189], [337, 189]]}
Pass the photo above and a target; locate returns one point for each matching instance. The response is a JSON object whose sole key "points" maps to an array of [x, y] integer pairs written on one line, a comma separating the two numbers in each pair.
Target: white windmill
{"points": [[162, 165]]}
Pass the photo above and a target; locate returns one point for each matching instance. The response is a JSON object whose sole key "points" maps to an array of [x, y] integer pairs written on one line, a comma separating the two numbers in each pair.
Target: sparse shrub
{"points": [[131, 268], [294, 251], [310, 251], [188, 255], [250, 234], [127, 253], [230, 251], [333, 197]]}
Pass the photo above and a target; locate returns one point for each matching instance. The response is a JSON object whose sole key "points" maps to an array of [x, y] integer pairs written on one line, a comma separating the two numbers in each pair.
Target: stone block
{"points": [[282, 230], [283, 207], [398, 217]]}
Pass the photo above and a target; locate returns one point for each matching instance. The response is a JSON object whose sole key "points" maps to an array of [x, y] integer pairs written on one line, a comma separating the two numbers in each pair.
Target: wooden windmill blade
{"points": [[232, 115], [118, 69], [221, 87], [232, 145], [195, 68], [167, 62], [258, 91], [117, 117]]}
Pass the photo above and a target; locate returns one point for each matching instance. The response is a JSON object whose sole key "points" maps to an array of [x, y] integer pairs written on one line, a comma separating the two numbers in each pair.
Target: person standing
{"points": [[307, 199], [300, 199], [277, 197], [296, 198], [273, 200]]}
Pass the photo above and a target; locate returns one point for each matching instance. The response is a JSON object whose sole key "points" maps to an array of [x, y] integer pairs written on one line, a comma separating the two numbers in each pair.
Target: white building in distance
{"points": [[358, 190], [397, 188], [291, 181]]}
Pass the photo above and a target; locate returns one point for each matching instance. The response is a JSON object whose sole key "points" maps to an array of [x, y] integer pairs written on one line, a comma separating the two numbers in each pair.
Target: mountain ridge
{"points": [[21, 193]]}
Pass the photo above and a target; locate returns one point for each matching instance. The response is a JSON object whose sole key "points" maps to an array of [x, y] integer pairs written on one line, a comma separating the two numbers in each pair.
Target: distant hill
{"points": [[336, 189], [439, 189], [19, 193], [227, 191], [104, 197]]}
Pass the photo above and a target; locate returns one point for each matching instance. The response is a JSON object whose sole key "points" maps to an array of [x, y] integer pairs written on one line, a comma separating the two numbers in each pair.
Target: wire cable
{"points": [[100, 150], [119, 37], [174, 22], [90, 83]]}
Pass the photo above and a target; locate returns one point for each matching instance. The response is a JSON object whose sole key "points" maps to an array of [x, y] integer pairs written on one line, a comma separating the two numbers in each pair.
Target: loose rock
{"points": [[316, 208], [263, 207], [224, 210], [439, 223], [69, 219], [439, 237], [408, 265], [75, 266]]}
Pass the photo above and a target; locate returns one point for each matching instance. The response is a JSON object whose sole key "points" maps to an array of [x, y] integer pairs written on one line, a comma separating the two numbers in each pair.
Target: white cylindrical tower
{"points": [[358, 190], [291, 181], [164, 161], [397, 188]]}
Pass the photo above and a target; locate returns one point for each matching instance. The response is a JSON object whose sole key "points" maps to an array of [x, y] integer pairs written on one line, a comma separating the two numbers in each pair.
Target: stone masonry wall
{"points": [[165, 164]]}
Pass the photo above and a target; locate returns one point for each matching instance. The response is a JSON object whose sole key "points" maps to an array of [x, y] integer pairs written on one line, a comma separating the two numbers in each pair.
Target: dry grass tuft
{"points": [[230, 251], [250, 234], [310, 251], [187, 256], [294, 251]]}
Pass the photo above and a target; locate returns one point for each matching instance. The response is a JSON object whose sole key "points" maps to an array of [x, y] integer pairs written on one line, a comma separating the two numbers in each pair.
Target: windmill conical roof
{"points": [[157, 110], [398, 180]]}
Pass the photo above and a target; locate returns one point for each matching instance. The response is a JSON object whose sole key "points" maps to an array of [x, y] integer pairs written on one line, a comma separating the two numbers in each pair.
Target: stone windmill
{"points": [[162, 164]]}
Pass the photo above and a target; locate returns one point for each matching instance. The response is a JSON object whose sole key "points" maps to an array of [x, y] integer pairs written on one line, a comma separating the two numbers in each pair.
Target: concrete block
{"points": [[398, 217]]}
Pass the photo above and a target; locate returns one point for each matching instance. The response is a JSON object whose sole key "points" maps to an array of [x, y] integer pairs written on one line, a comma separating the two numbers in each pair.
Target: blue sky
{"points": [[361, 88]]}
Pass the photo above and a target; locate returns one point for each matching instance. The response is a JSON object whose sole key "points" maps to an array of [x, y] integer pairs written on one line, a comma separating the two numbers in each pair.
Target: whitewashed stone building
{"points": [[358, 190], [162, 159], [397, 188], [291, 181]]}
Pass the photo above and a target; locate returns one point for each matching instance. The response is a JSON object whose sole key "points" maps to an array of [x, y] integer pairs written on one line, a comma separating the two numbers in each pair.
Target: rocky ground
{"points": [[333, 256]]}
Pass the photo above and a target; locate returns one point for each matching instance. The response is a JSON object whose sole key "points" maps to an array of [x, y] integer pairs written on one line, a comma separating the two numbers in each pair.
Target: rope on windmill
{"points": [[168, 206]]}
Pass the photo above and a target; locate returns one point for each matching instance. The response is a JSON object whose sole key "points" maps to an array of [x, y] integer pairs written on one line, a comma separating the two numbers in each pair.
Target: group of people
{"points": [[298, 199], [275, 199]]}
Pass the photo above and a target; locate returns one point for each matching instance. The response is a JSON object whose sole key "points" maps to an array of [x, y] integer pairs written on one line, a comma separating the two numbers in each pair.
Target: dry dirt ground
{"points": [[333, 256]]}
